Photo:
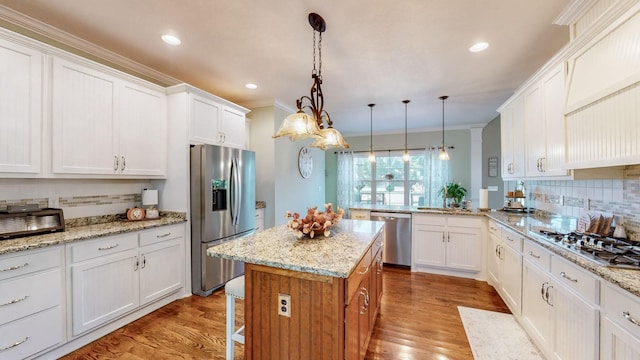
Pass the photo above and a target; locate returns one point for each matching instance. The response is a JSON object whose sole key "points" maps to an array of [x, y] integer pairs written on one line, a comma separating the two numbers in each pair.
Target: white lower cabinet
{"points": [[115, 275], [559, 306], [620, 325], [446, 242], [506, 267], [31, 302], [259, 219]]}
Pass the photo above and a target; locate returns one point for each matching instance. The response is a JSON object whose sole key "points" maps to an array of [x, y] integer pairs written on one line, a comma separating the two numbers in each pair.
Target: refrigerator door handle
{"points": [[235, 190], [239, 181]]}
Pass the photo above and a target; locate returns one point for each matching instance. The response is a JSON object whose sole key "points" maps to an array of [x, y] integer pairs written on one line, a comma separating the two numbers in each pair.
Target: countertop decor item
{"points": [[135, 213], [315, 222], [453, 191], [150, 200], [300, 125]]}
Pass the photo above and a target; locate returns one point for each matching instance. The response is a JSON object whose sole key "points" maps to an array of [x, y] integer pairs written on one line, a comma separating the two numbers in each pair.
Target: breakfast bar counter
{"points": [[332, 288]]}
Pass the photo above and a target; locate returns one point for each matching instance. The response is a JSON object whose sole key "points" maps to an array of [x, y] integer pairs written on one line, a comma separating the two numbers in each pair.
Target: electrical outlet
{"points": [[284, 305]]}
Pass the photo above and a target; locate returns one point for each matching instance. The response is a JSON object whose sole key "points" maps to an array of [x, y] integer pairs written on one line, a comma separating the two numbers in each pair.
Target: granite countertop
{"points": [[84, 232], [336, 255], [626, 279], [417, 210]]}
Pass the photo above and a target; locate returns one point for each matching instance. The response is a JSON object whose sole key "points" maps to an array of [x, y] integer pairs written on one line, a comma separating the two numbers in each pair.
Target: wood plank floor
{"points": [[418, 319]]}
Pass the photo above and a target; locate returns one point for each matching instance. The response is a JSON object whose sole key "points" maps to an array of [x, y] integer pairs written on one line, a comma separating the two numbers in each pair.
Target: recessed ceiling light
{"points": [[251, 86], [481, 46], [171, 39]]}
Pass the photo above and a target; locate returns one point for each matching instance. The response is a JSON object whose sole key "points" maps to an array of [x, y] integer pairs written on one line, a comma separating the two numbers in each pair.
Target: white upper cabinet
{"points": [[512, 139], [105, 125], [212, 120], [20, 110]]}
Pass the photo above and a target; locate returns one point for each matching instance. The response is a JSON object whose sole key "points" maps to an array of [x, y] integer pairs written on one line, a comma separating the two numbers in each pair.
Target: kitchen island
{"points": [[333, 287]]}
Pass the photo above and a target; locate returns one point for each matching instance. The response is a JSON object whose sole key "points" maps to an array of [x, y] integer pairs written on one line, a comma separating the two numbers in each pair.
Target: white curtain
{"points": [[436, 175], [345, 188]]}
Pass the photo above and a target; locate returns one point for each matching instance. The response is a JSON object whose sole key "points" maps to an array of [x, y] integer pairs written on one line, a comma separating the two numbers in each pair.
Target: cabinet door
{"points": [[83, 126], [205, 118], [20, 109], [618, 343], [103, 289], [512, 139], [375, 293], [576, 325], [463, 249], [357, 323], [536, 312], [161, 269], [429, 246], [554, 99], [232, 128], [511, 278], [534, 130], [493, 262], [143, 134]]}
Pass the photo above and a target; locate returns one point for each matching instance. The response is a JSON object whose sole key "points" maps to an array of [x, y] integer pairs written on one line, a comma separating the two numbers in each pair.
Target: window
{"points": [[390, 180]]}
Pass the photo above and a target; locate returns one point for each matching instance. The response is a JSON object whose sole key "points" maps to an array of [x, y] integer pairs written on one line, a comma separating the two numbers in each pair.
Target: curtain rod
{"points": [[366, 151]]}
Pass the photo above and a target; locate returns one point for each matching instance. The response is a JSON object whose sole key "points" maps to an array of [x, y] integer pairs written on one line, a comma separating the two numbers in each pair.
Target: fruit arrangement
{"points": [[315, 222]]}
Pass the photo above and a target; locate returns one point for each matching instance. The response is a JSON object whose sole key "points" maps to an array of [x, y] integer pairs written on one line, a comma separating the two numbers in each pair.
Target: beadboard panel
{"points": [[605, 133], [591, 15], [606, 65]]}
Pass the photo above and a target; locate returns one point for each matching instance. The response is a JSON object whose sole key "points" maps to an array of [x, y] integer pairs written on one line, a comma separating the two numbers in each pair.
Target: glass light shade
{"points": [[443, 154], [372, 157], [328, 139], [406, 157], [298, 126]]}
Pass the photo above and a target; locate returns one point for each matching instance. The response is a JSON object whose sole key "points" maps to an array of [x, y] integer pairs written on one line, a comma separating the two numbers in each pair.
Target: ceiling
{"points": [[373, 51]]}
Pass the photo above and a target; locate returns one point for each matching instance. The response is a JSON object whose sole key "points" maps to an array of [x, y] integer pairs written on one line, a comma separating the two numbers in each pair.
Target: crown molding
{"points": [[574, 11], [38, 30], [266, 103]]}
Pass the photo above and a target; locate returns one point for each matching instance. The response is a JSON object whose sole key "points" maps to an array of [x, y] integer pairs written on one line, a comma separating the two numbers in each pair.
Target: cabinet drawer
{"points": [[161, 234], [512, 239], [28, 295], [362, 269], [576, 279], [32, 261], [623, 308], [538, 255], [494, 228], [96, 248], [464, 221], [437, 220], [32, 334]]}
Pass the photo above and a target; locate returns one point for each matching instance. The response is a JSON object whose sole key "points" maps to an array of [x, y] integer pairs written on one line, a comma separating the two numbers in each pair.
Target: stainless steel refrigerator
{"points": [[223, 208]]}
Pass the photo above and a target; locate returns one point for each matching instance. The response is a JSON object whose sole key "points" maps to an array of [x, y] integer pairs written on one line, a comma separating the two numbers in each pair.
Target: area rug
{"points": [[496, 336]]}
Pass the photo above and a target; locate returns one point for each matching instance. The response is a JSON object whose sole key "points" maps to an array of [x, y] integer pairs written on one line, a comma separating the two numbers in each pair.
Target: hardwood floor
{"points": [[418, 319]]}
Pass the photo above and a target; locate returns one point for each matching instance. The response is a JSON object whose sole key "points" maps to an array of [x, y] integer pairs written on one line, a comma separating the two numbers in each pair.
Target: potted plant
{"points": [[453, 191]]}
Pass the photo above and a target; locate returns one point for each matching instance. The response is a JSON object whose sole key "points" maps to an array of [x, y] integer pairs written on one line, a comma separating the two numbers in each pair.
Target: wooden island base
{"points": [[331, 317]]}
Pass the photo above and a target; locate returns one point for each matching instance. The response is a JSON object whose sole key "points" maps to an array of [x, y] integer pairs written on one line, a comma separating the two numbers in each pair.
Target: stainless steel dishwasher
{"points": [[397, 237]]}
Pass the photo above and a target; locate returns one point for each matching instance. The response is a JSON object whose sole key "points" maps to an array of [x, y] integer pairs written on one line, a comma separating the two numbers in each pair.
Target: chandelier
{"points": [[301, 125]]}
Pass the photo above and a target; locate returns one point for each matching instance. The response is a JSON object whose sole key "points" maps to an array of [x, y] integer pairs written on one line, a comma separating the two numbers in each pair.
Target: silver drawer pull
{"points": [[509, 238], [630, 318], [163, 235], [15, 267], [535, 256], [366, 270], [108, 247], [564, 275], [14, 344], [15, 301]]}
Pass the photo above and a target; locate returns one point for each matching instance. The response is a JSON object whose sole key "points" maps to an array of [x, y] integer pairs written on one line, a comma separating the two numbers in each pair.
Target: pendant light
{"points": [[443, 150], [372, 156], [301, 125], [405, 156]]}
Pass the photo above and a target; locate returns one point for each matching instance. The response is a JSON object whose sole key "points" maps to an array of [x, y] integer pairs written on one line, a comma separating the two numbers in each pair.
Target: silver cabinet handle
{"points": [[136, 263], [542, 290], [509, 238], [115, 163], [442, 237], [534, 255], [124, 163], [14, 267], [546, 295], [14, 344], [364, 292], [108, 247], [628, 316], [366, 270], [144, 261], [564, 275], [163, 235], [15, 301]]}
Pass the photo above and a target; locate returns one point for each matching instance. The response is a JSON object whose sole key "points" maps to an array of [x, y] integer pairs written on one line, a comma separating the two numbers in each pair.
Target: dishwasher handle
{"points": [[390, 216]]}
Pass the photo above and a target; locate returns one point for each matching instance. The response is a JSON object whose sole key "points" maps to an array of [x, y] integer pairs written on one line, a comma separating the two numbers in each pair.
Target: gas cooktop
{"points": [[607, 251]]}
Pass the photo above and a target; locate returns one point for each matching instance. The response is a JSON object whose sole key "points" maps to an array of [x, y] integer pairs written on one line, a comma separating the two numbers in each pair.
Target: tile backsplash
{"points": [[571, 198]]}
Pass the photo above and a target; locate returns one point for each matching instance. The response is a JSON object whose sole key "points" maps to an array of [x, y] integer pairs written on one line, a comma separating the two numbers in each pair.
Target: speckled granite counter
{"points": [[624, 278], [420, 210], [77, 233], [277, 247]]}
